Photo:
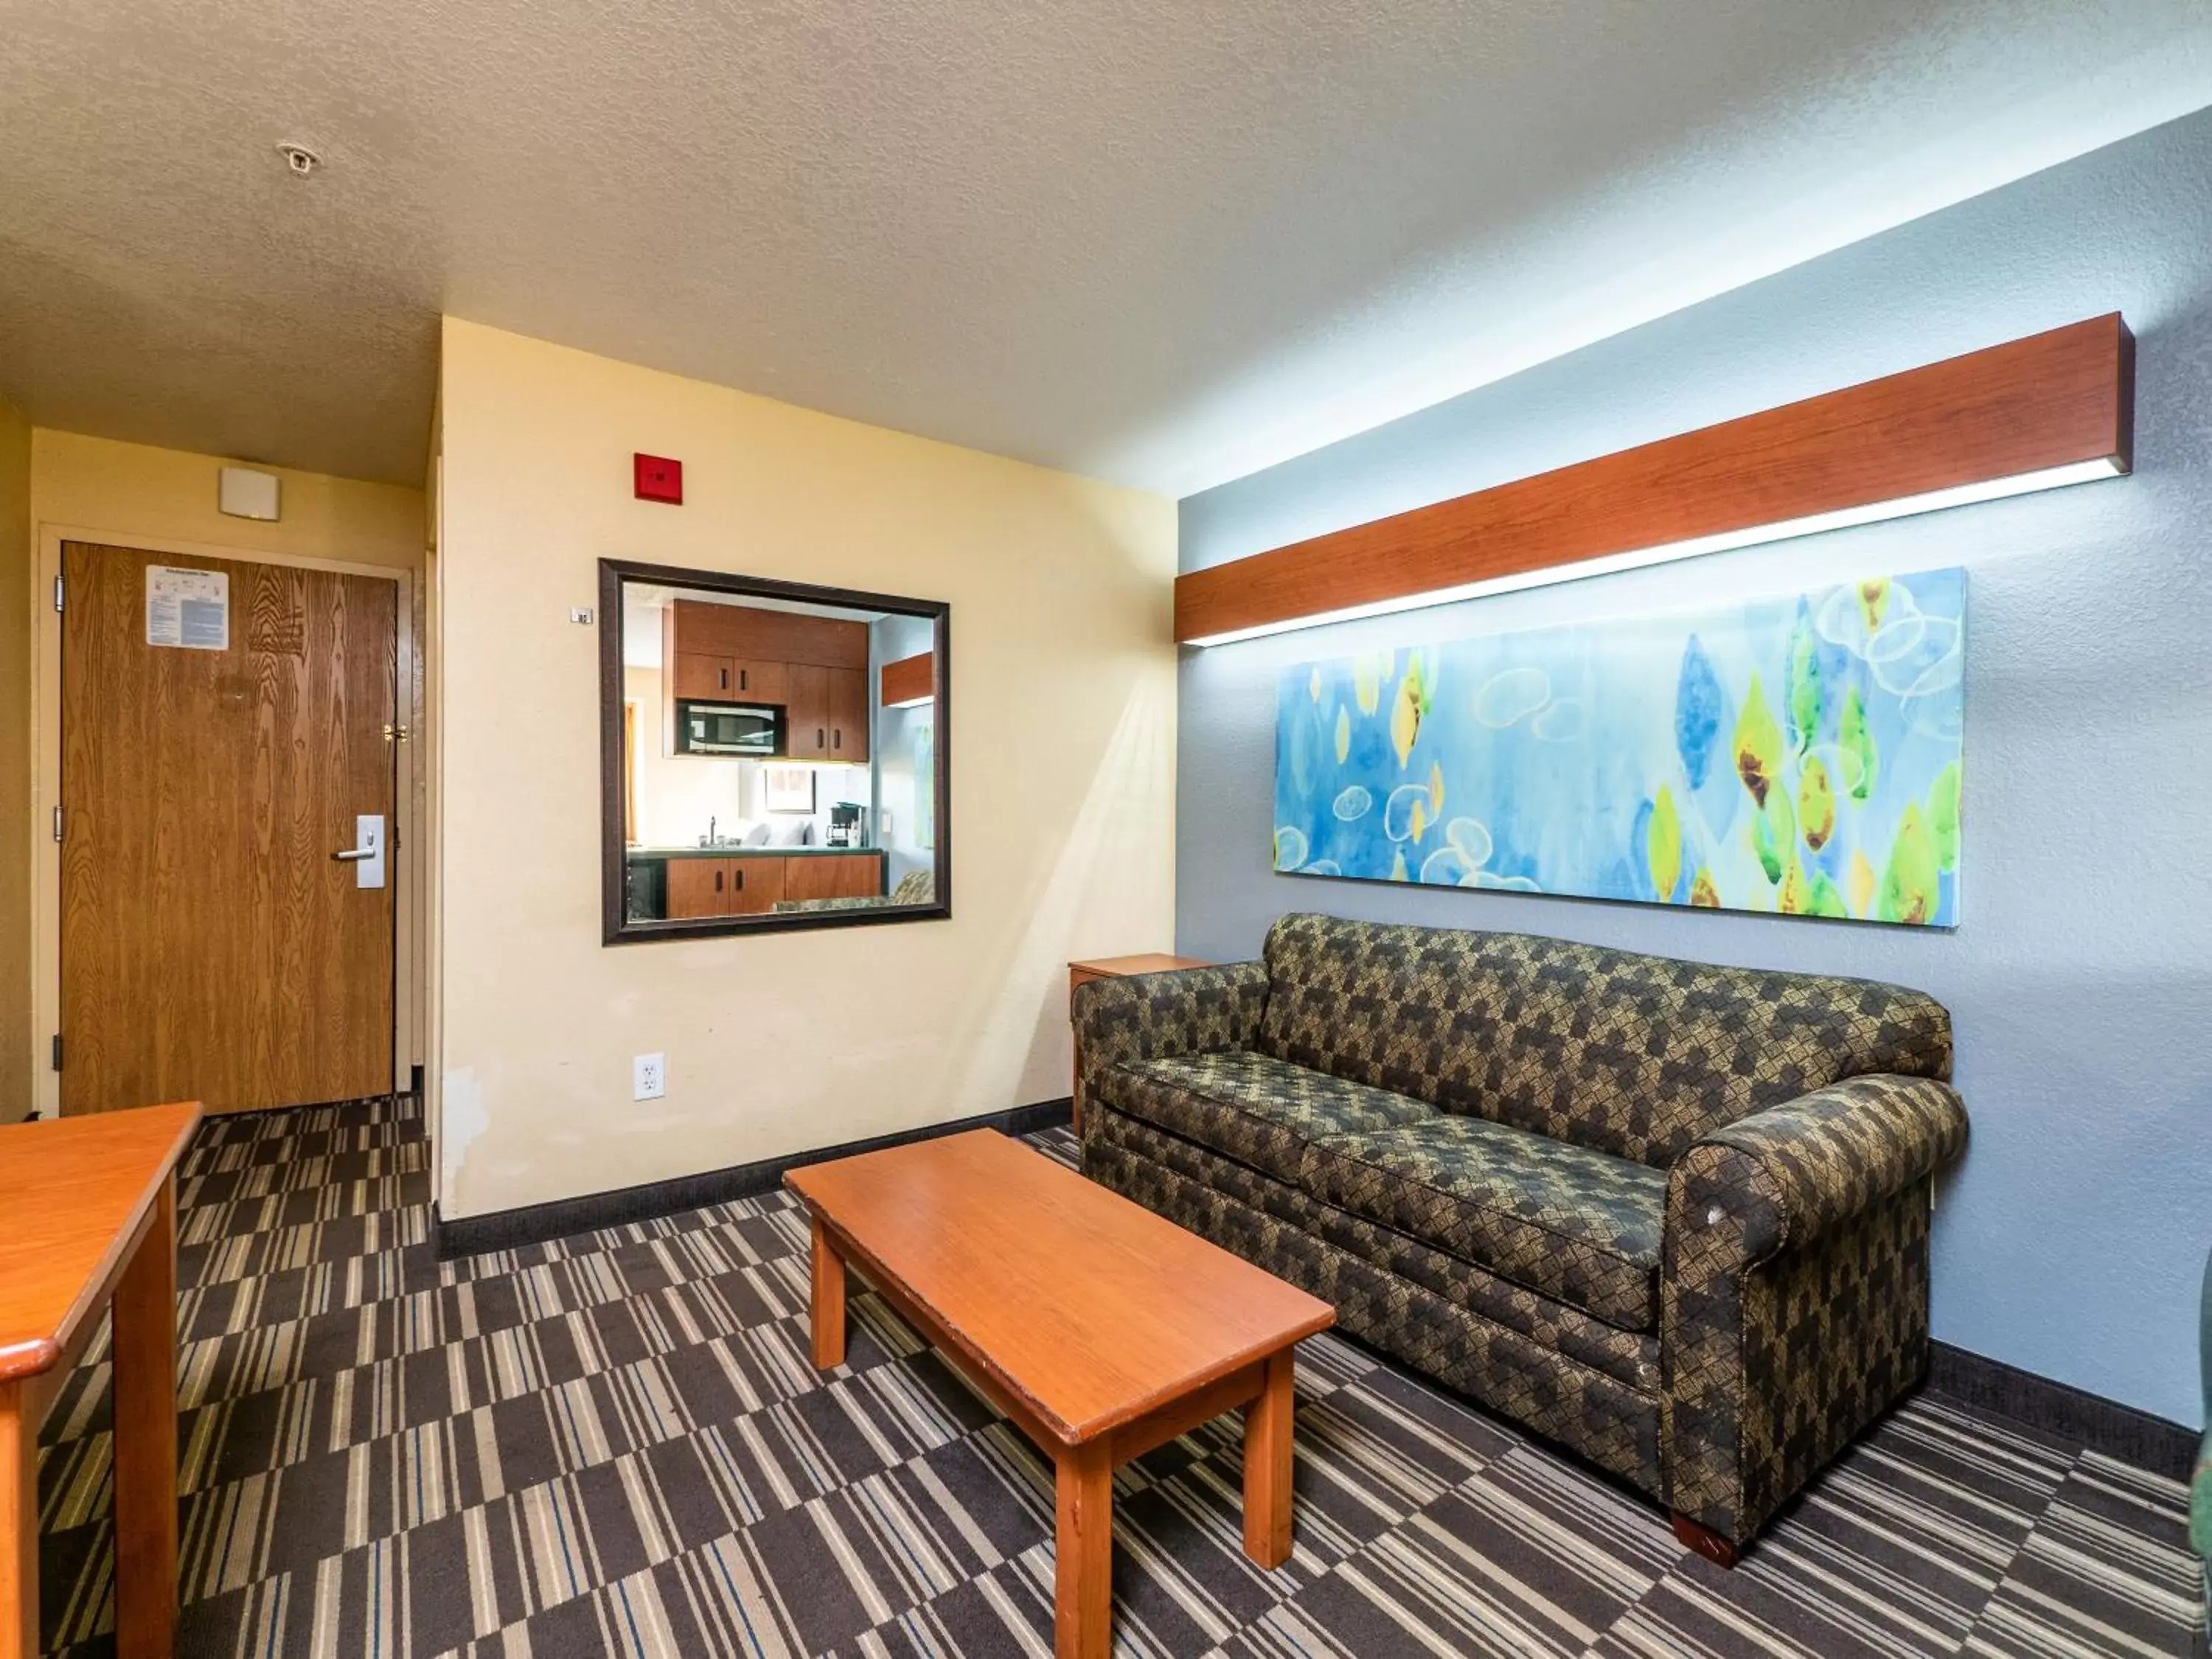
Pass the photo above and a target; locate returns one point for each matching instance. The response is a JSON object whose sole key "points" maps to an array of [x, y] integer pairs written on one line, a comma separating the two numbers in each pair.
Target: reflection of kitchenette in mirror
{"points": [[778, 756]]}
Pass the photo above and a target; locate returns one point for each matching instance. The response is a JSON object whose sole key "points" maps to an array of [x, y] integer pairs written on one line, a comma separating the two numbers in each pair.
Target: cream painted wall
{"points": [[97, 483], [1063, 751], [165, 499], [15, 561]]}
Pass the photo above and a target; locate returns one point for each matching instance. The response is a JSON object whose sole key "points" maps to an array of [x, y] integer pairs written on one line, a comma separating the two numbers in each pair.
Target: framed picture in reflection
{"points": [[788, 788]]}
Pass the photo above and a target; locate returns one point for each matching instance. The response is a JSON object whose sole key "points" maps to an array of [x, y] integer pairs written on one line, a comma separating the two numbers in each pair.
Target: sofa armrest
{"points": [[2200, 1484], [1777, 1179], [1150, 1016], [2200, 1513], [1794, 1289]]}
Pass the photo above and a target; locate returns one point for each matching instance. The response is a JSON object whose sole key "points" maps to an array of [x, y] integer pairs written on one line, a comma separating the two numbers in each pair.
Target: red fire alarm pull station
{"points": [[658, 479]]}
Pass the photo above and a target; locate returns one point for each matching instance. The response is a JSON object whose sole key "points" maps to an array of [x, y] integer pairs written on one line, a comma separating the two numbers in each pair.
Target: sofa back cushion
{"points": [[1631, 1054]]}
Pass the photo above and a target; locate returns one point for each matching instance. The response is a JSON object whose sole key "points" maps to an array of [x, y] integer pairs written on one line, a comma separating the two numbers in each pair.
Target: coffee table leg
{"points": [[1268, 1466], [828, 1300], [144, 1338], [1083, 1571]]}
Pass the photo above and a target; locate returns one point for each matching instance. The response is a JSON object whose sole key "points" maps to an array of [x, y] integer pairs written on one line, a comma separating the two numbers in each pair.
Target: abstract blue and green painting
{"points": [[1799, 755]]}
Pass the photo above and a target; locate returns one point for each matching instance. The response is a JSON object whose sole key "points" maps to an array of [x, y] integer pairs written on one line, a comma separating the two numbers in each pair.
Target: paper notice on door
{"points": [[187, 609]]}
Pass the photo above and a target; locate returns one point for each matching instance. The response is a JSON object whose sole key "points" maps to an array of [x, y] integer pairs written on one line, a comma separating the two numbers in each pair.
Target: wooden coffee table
{"points": [[1101, 1329]]}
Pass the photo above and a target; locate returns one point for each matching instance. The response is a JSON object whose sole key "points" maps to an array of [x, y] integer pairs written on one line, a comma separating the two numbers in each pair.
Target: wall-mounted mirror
{"points": [[772, 755]]}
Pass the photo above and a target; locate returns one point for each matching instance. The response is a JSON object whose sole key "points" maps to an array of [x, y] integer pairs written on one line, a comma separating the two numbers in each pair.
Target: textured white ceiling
{"points": [[1160, 241]]}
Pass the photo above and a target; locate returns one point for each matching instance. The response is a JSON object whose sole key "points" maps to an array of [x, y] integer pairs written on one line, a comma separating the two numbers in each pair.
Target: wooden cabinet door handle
{"points": [[836, 738], [718, 881], [817, 737], [742, 674], [741, 881]]}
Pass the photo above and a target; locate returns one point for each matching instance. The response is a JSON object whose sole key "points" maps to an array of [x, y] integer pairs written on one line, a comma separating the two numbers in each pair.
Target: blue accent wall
{"points": [[2071, 1239]]}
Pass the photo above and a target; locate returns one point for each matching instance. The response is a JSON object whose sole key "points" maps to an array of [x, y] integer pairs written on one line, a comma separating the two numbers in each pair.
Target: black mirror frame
{"points": [[615, 927]]}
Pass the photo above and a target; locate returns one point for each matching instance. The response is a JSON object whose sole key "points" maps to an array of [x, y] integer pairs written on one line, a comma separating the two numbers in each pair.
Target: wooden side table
{"points": [[1150, 962], [91, 1211]]}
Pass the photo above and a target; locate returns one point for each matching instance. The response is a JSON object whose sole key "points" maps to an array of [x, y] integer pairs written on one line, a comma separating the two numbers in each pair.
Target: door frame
{"points": [[409, 899]]}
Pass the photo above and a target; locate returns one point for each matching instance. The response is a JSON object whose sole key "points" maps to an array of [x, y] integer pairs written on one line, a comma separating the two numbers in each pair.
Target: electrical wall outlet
{"points": [[649, 1077]]}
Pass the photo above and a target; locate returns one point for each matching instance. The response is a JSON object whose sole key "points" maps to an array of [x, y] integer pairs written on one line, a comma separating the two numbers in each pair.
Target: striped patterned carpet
{"points": [[617, 1445]]}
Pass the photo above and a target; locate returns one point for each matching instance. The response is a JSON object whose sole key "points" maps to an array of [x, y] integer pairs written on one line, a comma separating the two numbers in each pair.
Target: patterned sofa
{"points": [[1672, 1216], [915, 887], [2200, 1484]]}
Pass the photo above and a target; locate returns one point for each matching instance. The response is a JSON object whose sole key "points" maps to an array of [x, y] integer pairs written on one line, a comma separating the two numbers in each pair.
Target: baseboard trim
{"points": [[2063, 1412], [535, 1224]]}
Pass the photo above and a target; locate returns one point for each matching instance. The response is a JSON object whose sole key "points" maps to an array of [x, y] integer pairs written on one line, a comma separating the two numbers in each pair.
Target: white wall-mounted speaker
{"points": [[246, 494]]}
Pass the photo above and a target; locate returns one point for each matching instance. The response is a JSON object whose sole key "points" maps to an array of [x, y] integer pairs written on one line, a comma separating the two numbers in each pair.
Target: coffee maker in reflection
{"points": [[845, 827]]}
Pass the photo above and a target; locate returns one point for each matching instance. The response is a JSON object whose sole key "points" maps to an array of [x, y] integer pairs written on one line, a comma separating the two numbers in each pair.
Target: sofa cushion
{"points": [[1636, 1055], [1577, 1225], [1628, 1357], [1260, 1111]]}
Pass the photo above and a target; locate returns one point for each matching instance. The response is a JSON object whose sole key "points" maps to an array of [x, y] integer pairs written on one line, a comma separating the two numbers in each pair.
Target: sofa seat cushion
{"points": [[1261, 1111], [1578, 1225]]}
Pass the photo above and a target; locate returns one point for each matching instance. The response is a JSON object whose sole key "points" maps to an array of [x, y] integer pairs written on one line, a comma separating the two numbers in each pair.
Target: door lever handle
{"points": [[367, 853]]}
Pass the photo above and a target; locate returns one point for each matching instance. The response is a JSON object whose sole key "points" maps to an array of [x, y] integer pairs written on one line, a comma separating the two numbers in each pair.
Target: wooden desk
{"points": [[1150, 962], [90, 1208], [1102, 1330]]}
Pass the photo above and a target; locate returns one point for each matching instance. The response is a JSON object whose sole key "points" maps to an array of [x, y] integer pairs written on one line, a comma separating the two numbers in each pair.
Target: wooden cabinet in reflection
{"points": [[753, 884], [697, 887], [699, 677], [849, 715], [814, 668], [834, 875], [756, 884], [826, 714], [724, 887]]}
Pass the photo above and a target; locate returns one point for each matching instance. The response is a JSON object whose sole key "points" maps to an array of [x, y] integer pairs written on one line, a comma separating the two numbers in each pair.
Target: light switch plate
{"points": [[649, 1077]]}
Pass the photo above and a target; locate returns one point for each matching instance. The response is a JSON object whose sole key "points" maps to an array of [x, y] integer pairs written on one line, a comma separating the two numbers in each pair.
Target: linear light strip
{"points": [[1934, 500]]}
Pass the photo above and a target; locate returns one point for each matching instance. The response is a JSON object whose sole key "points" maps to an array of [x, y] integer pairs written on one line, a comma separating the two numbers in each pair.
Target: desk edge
{"points": [[38, 1355]]}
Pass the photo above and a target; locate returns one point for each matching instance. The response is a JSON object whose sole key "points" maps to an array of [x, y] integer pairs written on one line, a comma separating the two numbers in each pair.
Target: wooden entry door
{"points": [[213, 947]]}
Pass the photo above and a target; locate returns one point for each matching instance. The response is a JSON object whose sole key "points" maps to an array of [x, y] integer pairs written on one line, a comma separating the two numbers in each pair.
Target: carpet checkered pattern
{"points": [[616, 1444]]}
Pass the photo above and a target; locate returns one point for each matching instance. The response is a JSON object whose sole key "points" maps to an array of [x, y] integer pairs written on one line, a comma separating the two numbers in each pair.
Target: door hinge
{"points": [[395, 734], [58, 593], [57, 1051], [57, 823]]}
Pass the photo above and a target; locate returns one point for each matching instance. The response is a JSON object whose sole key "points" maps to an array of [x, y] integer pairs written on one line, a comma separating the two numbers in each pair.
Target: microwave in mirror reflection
{"points": [[727, 728]]}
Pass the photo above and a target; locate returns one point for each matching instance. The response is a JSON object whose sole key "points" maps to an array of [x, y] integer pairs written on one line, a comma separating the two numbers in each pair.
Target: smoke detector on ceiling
{"points": [[298, 157]]}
